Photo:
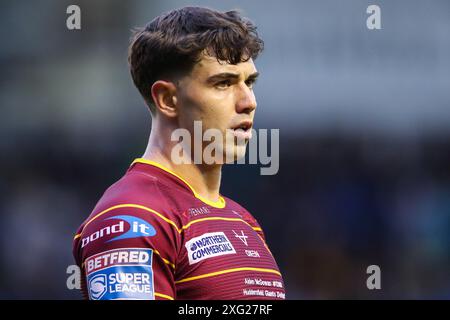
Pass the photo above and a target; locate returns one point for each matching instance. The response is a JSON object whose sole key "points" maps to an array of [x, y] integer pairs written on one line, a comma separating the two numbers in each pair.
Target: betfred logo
{"points": [[136, 228], [124, 273], [125, 256]]}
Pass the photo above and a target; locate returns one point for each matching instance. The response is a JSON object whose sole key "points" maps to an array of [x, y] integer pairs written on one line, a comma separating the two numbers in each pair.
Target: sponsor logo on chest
{"points": [[208, 245]]}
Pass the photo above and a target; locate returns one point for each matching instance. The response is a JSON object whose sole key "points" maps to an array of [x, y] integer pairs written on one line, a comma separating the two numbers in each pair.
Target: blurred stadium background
{"points": [[364, 119]]}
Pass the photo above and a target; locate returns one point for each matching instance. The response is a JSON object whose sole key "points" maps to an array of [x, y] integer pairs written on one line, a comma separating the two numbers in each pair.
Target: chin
{"points": [[230, 154], [236, 153]]}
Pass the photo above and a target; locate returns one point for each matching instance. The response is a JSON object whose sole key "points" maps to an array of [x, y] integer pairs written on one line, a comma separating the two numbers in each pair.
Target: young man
{"points": [[163, 231]]}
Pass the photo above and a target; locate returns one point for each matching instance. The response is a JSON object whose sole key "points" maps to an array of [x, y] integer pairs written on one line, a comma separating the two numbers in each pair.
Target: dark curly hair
{"points": [[172, 43]]}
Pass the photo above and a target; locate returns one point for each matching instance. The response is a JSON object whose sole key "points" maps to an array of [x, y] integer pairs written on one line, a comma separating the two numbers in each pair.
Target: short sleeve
{"points": [[128, 251]]}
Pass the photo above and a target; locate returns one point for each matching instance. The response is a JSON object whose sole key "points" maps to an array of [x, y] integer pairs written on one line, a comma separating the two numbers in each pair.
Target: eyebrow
{"points": [[229, 75]]}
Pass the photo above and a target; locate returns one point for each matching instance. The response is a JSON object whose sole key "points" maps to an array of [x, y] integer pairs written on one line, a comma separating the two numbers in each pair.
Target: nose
{"points": [[246, 101]]}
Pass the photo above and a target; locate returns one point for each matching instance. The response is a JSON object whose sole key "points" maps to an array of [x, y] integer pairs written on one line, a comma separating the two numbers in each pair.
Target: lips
{"points": [[244, 125], [243, 130]]}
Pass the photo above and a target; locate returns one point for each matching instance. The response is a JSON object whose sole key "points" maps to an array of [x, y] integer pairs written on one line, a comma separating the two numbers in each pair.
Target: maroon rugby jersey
{"points": [[151, 236]]}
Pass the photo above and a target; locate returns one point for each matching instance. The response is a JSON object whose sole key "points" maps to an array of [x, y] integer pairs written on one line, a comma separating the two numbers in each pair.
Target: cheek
{"points": [[215, 117], [213, 108]]}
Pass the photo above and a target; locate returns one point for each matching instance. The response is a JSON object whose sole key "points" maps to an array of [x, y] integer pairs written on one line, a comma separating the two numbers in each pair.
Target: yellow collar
{"points": [[216, 204]]}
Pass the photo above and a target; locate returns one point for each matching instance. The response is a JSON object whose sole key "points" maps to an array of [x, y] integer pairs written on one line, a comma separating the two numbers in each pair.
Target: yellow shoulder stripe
{"points": [[179, 230], [164, 260], [212, 274], [157, 294], [129, 205]]}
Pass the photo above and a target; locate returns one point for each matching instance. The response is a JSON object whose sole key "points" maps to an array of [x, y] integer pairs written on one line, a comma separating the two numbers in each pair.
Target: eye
{"points": [[250, 83], [223, 84]]}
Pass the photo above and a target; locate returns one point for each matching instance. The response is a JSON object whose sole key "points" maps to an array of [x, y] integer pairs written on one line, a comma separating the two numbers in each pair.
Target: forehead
{"points": [[209, 66]]}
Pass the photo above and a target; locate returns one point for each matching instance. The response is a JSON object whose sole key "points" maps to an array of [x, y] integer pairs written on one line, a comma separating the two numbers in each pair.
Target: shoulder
{"points": [[134, 212], [139, 191]]}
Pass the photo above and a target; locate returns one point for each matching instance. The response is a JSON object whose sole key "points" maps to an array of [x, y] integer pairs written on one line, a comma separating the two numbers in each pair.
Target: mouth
{"points": [[243, 130], [244, 125]]}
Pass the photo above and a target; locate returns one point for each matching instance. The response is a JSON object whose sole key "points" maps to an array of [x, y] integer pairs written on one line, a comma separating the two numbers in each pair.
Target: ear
{"points": [[164, 96]]}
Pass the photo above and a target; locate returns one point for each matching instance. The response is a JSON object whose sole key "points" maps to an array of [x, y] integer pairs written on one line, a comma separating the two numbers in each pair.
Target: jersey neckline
{"points": [[220, 204]]}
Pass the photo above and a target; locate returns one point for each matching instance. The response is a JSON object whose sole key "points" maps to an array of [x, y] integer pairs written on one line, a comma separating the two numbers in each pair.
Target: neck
{"points": [[204, 179]]}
